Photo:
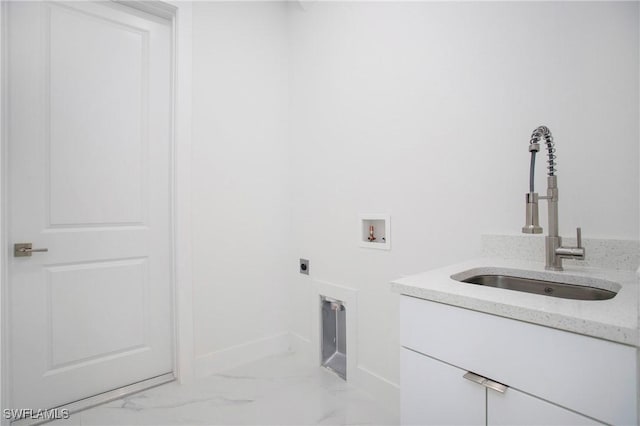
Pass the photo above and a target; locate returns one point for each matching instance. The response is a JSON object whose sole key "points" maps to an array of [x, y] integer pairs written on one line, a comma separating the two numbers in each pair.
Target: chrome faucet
{"points": [[554, 250]]}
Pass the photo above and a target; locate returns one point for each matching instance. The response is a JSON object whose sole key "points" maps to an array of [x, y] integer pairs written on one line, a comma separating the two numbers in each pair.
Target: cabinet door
{"points": [[516, 408], [588, 375], [435, 393]]}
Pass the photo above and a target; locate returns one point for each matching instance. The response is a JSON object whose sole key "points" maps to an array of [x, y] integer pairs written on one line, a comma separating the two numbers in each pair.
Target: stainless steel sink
{"points": [[546, 288]]}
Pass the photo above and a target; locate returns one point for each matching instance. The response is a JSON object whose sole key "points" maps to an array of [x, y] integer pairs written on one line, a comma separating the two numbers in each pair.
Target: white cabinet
{"points": [[435, 393], [516, 408], [554, 377]]}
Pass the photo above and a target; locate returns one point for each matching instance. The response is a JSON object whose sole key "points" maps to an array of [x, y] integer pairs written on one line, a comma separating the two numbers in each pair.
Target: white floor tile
{"points": [[279, 390]]}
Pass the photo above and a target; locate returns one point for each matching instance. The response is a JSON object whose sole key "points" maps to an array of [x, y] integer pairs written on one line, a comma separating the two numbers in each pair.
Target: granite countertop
{"points": [[615, 319]]}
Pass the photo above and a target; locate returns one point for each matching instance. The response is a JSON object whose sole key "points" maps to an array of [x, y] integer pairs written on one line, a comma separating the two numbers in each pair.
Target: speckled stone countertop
{"points": [[615, 319]]}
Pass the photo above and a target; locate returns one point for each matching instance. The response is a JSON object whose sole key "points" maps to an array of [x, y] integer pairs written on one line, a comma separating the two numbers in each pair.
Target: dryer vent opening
{"points": [[334, 336]]}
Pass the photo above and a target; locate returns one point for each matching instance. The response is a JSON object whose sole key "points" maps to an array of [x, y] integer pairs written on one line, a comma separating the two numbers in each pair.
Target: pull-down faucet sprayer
{"points": [[553, 243]]}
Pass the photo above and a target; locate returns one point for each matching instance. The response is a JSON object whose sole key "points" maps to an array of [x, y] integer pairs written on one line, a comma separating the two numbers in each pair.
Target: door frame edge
{"points": [[184, 339], [4, 302], [179, 13]]}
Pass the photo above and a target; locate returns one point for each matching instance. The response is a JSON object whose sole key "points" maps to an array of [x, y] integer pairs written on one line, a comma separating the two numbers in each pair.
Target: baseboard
{"points": [[225, 359], [382, 390], [301, 346]]}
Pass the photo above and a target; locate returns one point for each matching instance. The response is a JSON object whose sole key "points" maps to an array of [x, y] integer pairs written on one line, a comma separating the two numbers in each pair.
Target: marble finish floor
{"points": [[278, 390]]}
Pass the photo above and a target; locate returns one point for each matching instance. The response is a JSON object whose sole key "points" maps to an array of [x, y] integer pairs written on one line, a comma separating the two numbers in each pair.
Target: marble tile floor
{"points": [[278, 390]]}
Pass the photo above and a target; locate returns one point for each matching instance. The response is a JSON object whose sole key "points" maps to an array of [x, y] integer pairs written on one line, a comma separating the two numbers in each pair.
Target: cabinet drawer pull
{"points": [[474, 377], [488, 383]]}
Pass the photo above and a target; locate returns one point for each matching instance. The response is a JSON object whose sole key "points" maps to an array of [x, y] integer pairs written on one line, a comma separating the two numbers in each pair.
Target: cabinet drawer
{"points": [[590, 376], [434, 393], [516, 408]]}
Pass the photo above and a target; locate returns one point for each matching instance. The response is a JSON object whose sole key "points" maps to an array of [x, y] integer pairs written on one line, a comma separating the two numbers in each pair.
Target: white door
{"points": [[89, 179]]}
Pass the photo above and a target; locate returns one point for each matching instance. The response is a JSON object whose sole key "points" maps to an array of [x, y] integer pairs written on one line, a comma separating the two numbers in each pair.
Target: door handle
{"points": [[24, 249]]}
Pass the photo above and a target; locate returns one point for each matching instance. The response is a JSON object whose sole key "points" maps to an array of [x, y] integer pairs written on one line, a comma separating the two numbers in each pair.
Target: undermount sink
{"points": [[565, 290]]}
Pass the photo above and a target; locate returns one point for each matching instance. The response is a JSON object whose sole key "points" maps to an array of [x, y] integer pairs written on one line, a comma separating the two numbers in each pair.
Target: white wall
{"points": [[424, 111], [240, 179], [304, 118]]}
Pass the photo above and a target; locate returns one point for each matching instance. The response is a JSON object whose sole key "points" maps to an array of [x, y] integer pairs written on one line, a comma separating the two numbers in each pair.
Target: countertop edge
{"points": [[566, 322]]}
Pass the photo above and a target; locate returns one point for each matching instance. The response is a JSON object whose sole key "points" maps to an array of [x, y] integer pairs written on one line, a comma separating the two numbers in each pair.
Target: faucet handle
{"points": [[579, 237]]}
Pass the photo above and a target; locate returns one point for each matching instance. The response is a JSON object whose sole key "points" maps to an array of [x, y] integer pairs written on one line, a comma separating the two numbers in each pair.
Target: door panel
{"points": [[100, 286], [94, 88], [89, 179]]}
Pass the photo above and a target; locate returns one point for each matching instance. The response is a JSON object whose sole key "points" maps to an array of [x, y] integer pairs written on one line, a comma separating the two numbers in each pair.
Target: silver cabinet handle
{"points": [[474, 377], [488, 383], [25, 249]]}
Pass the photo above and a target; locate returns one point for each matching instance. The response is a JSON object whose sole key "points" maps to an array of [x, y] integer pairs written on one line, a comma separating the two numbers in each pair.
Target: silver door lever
{"points": [[24, 249]]}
